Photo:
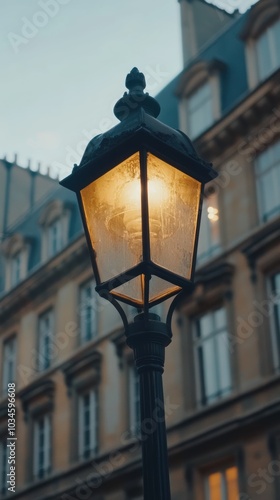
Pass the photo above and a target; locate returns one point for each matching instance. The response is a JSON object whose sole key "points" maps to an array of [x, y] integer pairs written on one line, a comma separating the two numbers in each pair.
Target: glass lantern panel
{"points": [[112, 207], [161, 289], [174, 199], [132, 290]]}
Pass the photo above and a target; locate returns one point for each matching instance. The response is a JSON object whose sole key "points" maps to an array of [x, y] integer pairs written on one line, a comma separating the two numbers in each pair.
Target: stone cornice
{"points": [[259, 242], [72, 257], [250, 112]]}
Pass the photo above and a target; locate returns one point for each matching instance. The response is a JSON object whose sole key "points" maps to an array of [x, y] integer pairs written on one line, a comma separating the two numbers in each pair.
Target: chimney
{"points": [[200, 21]]}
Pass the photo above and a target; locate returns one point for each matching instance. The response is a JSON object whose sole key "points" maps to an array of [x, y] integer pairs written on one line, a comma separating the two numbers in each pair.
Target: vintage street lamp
{"points": [[139, 188]]}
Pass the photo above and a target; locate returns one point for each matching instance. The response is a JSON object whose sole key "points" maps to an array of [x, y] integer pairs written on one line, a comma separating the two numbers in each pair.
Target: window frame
{"points": [[260, 171], [272, 48], [274, 323], [39, 473], [3, 466], [202, 399], [13, 340], [199, 131], [45, 362], [84, 337], [83, 453], [205, 227], [15, 280], [54, 246], [220, 470]]}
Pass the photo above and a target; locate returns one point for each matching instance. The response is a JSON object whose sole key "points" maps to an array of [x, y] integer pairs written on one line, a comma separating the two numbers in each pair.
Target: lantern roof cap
{"points": [[137, 112]]}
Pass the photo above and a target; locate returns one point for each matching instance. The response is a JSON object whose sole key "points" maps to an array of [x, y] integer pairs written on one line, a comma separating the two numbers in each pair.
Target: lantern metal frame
{"points": [[140, 131]]}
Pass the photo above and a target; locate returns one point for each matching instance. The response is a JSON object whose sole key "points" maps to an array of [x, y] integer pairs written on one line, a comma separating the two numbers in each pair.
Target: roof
{"points": [[229, 49]]}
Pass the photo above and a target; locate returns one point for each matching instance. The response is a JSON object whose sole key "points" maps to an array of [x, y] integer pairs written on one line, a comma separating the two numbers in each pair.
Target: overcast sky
{"points": [[63, 65]]}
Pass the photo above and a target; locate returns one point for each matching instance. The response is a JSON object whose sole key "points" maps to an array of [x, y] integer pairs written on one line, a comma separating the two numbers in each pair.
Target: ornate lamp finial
{"points": [[135, 99]]}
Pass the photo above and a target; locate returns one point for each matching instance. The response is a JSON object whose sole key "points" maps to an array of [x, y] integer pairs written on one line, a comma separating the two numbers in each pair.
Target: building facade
{"points": [[77, 394]]}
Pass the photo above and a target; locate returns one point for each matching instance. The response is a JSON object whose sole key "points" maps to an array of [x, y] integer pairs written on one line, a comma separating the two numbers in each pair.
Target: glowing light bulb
{"points": [[126, 221]]}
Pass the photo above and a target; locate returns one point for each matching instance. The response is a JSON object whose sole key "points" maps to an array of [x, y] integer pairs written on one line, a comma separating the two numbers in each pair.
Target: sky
{"points": [[64, 63]]}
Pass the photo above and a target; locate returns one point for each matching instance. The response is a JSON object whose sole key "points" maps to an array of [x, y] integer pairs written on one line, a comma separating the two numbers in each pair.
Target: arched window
{"points": [[262, 36], [199, 94]]}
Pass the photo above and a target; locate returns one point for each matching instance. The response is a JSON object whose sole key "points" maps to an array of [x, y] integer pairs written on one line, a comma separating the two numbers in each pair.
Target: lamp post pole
{"points": [[148, 338]]}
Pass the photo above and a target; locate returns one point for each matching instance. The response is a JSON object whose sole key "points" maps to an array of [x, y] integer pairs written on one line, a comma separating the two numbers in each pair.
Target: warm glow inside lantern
{"points": [[143, 211]]}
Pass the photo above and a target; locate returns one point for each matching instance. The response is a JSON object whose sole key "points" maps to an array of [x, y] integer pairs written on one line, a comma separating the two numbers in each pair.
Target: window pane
{"points": [[264, 56], [87, 311], [232, 483], [275, 30], [200, 110], [222, 485], [87, 438], [215, 487], [209, 369], [275, 286], [16, 269], [223, 360], [3, 467], [209, 235], [45, 340], [9, 363], [42, 446], [212, 356], [268, 182]]}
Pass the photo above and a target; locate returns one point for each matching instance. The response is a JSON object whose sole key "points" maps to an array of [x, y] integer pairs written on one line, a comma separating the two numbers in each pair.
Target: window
{"points": [[87, 424], [200, 110], [268, 182], [54, 237], [16, 268], [3, 467], [9, 363], [275, 286], [134, 400], [87, 311], [222, 485], [268, 51], [45, 338], [42, 447], [212, 358], [209, 235]]}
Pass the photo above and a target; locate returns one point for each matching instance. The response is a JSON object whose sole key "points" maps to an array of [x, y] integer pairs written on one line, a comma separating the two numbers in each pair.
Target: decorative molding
{"points": [[73, 257], [52, 211], [197, 74], [260, 16], [37, 398], [267, 238], [82, 370]]}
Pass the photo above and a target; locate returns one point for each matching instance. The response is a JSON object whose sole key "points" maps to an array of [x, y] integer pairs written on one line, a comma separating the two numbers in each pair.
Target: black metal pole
{"points": [[148, 338]]}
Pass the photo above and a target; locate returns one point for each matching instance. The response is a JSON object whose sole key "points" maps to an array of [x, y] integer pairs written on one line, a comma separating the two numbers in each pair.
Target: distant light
{"points": [[213, 214]]}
